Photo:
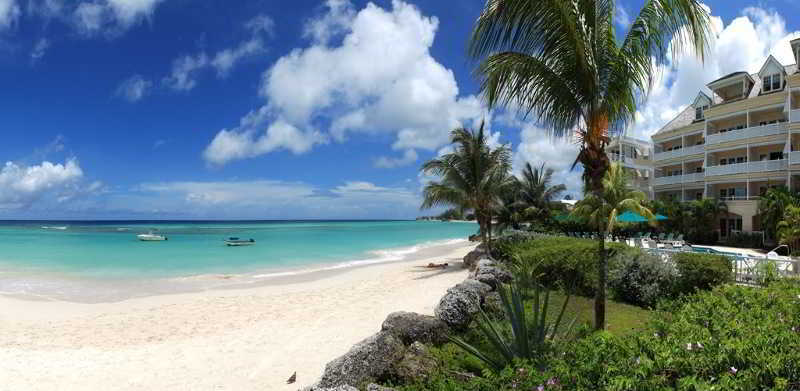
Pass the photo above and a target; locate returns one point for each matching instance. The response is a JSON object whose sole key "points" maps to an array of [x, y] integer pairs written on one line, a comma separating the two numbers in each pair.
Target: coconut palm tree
{"points": [[562, 63], [617, 197], [535, 193], [472, 177], [789, 227]]}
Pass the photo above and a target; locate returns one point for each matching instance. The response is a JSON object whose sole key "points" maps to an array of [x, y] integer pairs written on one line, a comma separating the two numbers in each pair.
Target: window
{"points": [[698, 169], [740, 127], [698, 195], [772, 83], [762, 123], [775, 155], [723, 162], [762, 157], [740, 159], [699, 112]]}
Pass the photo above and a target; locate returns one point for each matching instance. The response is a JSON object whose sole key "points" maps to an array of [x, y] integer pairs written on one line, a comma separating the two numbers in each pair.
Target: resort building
{"points": [[636, 158], [735, 143]]}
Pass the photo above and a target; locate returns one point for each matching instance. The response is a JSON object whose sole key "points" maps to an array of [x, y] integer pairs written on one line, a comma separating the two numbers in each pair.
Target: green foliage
{"points": [[531, 334], [733, 338], [696, 220], [701, 271], [767, 273], [789, 227], [745, 239], [772, 206], [617, 197], [642, 279], [452, 214]]}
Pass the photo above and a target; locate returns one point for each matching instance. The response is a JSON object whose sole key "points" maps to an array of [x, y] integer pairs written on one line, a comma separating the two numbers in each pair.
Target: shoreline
{"points": [[59, 287], [226, 339]]}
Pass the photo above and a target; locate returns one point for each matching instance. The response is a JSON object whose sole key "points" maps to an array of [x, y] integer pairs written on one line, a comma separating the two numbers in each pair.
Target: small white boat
{"points": [[151, 237], [235, 242]]}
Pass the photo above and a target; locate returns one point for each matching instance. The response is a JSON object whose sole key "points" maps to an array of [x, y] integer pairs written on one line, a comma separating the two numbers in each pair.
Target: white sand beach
{"points": [[231, 339]]}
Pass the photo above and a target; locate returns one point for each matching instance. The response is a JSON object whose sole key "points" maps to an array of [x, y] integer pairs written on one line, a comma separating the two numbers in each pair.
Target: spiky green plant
{"points": [[529, 336]]}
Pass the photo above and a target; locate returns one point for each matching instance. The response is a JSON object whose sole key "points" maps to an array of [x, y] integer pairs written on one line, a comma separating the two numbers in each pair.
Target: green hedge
{"points": [[559, 261], [732, 338], [701, 271]]}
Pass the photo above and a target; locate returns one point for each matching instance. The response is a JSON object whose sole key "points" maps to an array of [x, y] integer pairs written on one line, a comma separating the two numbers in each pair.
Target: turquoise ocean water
{"points": [[110, 250]]}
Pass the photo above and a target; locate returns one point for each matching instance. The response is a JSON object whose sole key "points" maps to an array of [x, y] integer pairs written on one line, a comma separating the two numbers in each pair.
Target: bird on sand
{"points": [[292, 378]]}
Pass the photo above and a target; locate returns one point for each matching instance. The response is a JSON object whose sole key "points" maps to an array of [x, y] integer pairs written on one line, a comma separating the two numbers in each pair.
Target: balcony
{"points": [[741, 168], [675, 179], [741, 134], [693, 150], [794, 157], [794, 116]]}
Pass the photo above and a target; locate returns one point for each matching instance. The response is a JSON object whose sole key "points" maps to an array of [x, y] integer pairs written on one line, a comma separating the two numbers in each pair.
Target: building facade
{"points": [[636, 158], [734, 144]]}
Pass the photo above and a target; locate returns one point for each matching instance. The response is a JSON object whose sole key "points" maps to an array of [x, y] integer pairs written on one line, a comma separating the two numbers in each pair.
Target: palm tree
{"points": [[789, 227], [704, 214], [535, 193], [472, 177], [617, 198], [771, 208], [562, 62]]}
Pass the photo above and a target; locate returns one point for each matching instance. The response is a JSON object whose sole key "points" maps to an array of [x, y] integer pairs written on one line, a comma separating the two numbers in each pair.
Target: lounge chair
{"points": [[670, 237], [652, 244], [668, 246], [660, 237]]}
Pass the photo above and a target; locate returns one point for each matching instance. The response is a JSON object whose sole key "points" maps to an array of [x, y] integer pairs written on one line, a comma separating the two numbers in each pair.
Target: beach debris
{"points": [[461, 303], [411, 327], [344, 387], [292, 378], [369, 360], [432, 265]]}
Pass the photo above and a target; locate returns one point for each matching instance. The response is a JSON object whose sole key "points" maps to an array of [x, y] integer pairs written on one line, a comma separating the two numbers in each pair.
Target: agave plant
{"points": [[529, 335]]}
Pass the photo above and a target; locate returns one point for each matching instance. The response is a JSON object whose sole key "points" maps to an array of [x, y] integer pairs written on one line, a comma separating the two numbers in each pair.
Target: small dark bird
{"points": [[292, 378]]}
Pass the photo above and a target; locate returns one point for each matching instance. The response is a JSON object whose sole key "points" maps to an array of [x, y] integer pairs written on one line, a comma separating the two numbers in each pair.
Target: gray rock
{"points": [[493, 304], [369, 360], [460, 304], [472, 257], [410, 327], [417, 364], [375, 387], [484, 263], [492, 275]]}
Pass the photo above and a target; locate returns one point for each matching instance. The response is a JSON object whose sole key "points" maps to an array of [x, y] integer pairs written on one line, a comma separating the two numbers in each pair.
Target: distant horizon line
{"points": [[194, 220]]}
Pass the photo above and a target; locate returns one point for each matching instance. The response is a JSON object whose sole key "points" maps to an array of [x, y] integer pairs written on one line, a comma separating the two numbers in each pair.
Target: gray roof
{"points": [[686, 117]]}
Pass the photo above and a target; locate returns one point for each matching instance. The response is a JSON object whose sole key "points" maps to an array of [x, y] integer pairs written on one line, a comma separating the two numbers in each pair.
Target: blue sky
{"points": [[264, 109]]}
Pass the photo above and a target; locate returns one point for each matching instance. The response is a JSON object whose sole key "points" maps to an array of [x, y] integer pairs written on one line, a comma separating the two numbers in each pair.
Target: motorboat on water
{"points": [[235, 242], [151, 237]]}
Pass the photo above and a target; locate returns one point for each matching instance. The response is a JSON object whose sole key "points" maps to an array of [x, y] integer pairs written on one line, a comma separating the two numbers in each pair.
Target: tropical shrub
{"points": [[732, 338], [789, 228], [698, 271], [561, 262], [642, 279], [745, 239]]}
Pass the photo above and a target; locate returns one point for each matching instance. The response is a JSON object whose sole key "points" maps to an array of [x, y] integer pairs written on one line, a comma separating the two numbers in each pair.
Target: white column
{"points": [[747, 189], [748, 119]]}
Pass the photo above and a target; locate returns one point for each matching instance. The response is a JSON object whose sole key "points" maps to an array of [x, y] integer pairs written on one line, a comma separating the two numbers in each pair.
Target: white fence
{"points": [[740, 134]]}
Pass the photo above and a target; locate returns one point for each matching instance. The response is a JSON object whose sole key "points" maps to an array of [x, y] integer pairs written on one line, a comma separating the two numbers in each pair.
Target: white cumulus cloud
{"points": [[134, 88], [21, 186], [9, 12], [111, 17], [378, 78], [536, 147]]}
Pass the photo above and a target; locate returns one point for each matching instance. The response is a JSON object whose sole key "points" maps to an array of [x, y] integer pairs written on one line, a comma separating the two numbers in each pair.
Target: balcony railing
{"points": [[675, 179], [694, 149], [794, 157], [740, 134], [795, 115], [741, 168]]}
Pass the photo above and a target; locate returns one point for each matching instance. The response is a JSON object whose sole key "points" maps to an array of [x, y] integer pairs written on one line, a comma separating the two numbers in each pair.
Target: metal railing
{"points": [[753, 131], [794, 116], [740, 168], [692, 150], [794, 157]]}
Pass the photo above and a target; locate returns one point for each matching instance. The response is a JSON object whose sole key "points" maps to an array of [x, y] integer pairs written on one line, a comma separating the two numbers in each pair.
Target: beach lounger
{"points": [[670, 237], [660, 237], [668, 246], [652, 244]]}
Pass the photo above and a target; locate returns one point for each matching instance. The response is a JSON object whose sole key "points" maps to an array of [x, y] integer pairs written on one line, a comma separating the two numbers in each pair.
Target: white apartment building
{"points": [[734, 144], [636, 158]]}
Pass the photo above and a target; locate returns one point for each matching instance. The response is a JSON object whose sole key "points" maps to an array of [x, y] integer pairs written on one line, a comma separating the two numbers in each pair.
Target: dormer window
{"points": [[699, 112], [772, 83]]}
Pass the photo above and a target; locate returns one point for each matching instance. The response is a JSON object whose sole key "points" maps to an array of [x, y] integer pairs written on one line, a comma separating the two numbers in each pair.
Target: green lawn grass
{"points": [[621, 318]]}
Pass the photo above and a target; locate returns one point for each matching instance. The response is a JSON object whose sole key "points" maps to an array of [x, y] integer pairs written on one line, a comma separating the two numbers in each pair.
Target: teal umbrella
{"points": [[631, 217], [661, 217]]}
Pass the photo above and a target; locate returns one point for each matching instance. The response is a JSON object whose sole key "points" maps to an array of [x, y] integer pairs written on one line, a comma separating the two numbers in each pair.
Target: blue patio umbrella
{"points": [[631, 217], [661, 217]]}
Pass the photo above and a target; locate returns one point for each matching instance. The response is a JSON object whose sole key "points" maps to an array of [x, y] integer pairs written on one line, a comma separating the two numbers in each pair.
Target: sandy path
{"points": [[243, 339]]}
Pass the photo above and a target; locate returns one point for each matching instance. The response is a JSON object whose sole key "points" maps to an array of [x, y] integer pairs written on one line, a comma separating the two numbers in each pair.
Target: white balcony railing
{"points": [[741, 168], [694, 177], [675, 179], [753, 131], [794, 116], [693, 150], [794, 157], [668, 180]]}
